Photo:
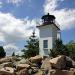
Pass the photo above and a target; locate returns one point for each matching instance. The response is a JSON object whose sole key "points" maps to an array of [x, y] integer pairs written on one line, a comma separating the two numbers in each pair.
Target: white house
{"points": [[49, 32]]}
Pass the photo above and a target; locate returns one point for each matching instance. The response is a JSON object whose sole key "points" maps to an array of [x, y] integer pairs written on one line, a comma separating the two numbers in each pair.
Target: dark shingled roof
{"points": [[47, 20], [48, 16]]}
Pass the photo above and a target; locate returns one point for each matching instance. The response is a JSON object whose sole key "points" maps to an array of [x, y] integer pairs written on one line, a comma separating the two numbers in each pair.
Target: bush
{"points": [[32, 47], [71, 48], [2, 52], [59, 49]]}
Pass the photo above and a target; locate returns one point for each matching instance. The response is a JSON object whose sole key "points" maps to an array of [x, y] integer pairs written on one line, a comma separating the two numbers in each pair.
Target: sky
{"points": [[18, 19]]}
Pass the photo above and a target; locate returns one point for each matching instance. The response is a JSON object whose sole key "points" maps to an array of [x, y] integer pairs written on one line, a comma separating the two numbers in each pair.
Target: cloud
{"points": [[17, 2], [1, 4], [13, 29], [10, 48], [65, 17], [10, 27]]}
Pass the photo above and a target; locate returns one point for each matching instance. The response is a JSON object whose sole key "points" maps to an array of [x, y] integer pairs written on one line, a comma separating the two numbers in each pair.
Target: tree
{"points": [[71, 48], [59, 49], [2, 52], [13, 54], [32, 47]]}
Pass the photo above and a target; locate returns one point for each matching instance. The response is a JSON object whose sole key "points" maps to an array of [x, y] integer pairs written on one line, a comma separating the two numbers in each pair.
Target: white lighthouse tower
{"points": [[49, 32]]}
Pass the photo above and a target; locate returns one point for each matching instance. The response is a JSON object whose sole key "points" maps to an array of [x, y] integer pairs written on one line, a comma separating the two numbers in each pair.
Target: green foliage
{"points": [[17, 55], [13, 54], [32, 47], [71, 47], [2, 52], [59, 49]]}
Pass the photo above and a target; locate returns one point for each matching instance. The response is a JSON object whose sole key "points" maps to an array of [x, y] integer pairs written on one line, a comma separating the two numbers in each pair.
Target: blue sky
{"points": [[32, 8], [18, 19]]}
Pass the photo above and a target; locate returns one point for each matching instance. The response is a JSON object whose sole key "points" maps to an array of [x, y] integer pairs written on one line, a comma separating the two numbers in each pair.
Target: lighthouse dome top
{"points": [[48, 18]]}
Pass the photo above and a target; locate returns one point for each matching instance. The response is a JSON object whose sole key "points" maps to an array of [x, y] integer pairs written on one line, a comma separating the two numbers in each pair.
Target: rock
{"points": [[33, 65], [14, 58], [7, 64], [39, 73], [66, 72], [35, 69], [61, 72], [7, 71], [62, 62], [22, 66], [6, 59], [58, 62], [24, 61], [30, 71], [72, 69], [51, 72], [69, 62], [36, 59], [46, 64], [22, 72], [9, 59]]}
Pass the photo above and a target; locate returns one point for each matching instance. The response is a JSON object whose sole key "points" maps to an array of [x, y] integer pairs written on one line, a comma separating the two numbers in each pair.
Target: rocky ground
{"points": [[60, 65]]}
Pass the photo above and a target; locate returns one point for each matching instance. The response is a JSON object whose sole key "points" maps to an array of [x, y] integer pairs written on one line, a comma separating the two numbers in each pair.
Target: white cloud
{"points": [[16, 2], [65, 17], [10, 48], [50, 5], [13, 30], [10, 27]]}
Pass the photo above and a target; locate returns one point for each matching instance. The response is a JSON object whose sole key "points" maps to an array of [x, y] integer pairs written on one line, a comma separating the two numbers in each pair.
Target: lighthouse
{"points": [[49, 31]]}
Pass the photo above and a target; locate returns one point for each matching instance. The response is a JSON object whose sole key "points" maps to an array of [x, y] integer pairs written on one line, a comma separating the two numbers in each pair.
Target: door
{"points": [[45, 47], [46, 53]]}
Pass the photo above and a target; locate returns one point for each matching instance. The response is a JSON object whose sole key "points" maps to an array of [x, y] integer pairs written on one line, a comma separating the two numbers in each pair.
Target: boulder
{"points": [[22, 72], [69, 62], [30, 71], [51, 72], [58, 62], [24, 61], [14, 58], [9, 59], [7, 64], [7, 71], [36, 59], [35, 69], [46, 64], [39, 73], [6, 59], [72, 69], [22, 66], [61, 72]]}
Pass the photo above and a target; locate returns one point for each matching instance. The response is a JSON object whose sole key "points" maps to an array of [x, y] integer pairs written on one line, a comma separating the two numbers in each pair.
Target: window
{"points": [[45, 43]]}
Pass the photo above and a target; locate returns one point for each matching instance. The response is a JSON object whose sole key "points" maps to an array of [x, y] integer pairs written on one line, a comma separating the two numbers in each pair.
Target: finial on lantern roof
{"points": [[48, 13]]}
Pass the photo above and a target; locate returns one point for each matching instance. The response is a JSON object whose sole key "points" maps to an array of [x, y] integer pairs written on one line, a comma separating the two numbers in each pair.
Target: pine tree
{"points": [[32, 47], [71, 49], [59, 49], [2, 52], [13, 54]]}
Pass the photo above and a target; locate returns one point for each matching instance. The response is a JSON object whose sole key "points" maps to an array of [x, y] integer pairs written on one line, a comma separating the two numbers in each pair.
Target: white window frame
{"points": [[45, 44]]}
